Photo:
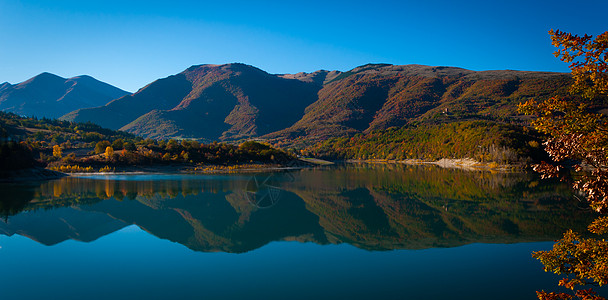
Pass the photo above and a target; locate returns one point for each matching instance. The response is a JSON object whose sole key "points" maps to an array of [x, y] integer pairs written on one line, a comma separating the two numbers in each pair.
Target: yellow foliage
{"points": [[109, 152], [106, 169], [73, 169], [57, 151]]}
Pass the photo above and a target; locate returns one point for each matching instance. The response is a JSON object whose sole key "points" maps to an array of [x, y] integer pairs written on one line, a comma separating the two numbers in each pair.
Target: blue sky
{"points": [[132, 43]]}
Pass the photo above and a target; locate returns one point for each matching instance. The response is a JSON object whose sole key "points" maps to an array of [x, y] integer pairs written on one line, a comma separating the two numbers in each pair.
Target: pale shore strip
{"points": [[451, 163]]}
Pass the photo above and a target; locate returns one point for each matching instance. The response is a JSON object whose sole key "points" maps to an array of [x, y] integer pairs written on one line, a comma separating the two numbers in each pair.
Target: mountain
{"points": [[237, 101], [51, 96], [381, 96], [209, 102]]}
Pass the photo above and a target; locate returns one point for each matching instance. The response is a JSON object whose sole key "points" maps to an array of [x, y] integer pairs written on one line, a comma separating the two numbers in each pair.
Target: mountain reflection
{"points": [[376, 207]]}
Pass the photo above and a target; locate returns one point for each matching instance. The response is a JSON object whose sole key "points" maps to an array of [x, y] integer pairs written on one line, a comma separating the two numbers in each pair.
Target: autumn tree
{"points": [[109, 152], [57, 151], [578, 135]]}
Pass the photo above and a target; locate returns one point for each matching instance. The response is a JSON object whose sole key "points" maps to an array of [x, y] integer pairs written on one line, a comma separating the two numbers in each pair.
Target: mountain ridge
{"points": [[51, 96], [231, 102]]}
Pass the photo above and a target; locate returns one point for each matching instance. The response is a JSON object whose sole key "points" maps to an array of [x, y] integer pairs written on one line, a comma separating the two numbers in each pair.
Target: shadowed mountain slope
{"points": [[51, 96]]}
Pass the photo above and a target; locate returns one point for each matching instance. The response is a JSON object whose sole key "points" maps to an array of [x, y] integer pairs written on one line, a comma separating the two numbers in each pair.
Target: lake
{"points": [[356, 231]]}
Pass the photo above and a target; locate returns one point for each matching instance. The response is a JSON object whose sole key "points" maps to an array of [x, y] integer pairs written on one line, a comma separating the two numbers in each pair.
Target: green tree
{"points": [[101, 146], [171, 145], [118, 144], [15, 156], [578, 134], [129, 146]]}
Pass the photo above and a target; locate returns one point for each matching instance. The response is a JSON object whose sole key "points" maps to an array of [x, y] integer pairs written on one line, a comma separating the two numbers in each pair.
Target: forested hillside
{"points": [[85, 147], [485, 141]]}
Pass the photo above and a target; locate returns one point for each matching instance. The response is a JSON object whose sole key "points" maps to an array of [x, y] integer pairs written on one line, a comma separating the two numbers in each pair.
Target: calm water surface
{"points": [[356, 231]]}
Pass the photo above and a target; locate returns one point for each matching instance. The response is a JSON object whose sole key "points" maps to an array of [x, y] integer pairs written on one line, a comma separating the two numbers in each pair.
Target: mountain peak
{"points": [[201, 75], [230, 67], [42, 81], [47, 75]]}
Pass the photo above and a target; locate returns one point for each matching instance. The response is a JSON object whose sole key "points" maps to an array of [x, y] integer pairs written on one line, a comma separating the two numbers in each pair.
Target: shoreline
{"points": [[450, 163], [188, 170], [460, 163], [193, 169], [300, 163]]}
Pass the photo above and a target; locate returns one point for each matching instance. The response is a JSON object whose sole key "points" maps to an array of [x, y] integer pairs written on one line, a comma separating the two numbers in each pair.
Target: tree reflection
{"points": [[14, 199]]}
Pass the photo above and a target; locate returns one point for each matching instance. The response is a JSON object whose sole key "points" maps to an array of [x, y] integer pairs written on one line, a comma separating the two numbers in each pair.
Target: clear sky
{"points": [[132, 43]]}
